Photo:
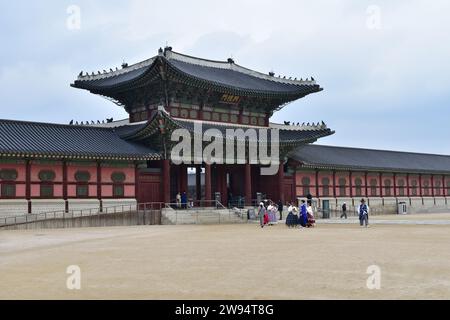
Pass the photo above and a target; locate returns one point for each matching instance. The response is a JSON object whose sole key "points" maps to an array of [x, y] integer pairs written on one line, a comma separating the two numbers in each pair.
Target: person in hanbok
{"points": [[262, 215], [363, 212], [272, 210], [290, 217], [295, 212], [303, 217], [310, 213]]}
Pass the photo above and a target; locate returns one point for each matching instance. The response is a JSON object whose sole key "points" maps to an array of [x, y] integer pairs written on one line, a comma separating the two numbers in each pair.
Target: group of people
{"points": [[362, 210], [267, 213], [182, 200], [303, 216]]}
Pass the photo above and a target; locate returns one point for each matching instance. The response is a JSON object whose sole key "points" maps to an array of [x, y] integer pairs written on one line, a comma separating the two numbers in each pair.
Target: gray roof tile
{"points": [[367, 159], [33, 138]]}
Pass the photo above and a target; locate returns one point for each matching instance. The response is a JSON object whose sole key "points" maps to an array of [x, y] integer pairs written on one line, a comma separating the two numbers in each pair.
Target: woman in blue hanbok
{"points": [[303, 217]]}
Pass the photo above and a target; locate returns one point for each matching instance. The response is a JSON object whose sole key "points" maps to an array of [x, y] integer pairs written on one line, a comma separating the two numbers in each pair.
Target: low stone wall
{"points": [[19, 207], [119, 204], [133, 218], [388, 205], [13, 208], [40, 206], [83, 204]]}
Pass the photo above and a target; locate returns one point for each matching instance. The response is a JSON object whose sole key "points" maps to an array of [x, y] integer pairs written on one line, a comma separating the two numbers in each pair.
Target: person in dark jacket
{"points": [[344, 210], [280, 209], [363, 211]]}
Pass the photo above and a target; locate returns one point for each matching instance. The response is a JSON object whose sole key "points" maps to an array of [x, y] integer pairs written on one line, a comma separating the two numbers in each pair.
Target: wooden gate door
{"points": [[149, 188]]}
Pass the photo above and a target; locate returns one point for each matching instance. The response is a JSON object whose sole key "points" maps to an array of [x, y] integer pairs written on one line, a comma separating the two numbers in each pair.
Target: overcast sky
{"points": [[384, 65]]}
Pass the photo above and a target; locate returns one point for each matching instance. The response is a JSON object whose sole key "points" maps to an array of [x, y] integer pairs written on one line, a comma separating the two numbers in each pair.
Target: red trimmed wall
{"points": [[58, 183]]}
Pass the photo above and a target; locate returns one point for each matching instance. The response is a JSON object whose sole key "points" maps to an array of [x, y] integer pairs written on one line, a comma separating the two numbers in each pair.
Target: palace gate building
{"points": [[46, 167]]}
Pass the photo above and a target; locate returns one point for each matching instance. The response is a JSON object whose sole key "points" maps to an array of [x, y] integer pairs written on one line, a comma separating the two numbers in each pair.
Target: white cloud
{"points": [[400, 69]]}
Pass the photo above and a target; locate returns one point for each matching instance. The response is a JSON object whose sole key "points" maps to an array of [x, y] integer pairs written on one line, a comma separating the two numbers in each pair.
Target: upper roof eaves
{"points": [[128, 73]]}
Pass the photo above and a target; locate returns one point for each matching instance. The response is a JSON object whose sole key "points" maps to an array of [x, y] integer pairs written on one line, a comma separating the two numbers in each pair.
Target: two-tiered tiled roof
{"points": [[223, 76]]}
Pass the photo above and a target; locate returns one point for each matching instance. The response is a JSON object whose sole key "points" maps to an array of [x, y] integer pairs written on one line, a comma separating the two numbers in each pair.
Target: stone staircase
{"points": [[201, 216]]}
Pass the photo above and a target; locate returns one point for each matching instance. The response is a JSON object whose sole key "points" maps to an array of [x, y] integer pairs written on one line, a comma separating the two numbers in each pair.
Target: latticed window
{"points": [[401, 187], [373, 187], [437, 188], [306, 183], [426, 188], [326, 187], [8, 178], [387, 187], [118, 179], [414, 188], [82, 178], [448, 188], [358, 187], [342, 187], [47, 177]]}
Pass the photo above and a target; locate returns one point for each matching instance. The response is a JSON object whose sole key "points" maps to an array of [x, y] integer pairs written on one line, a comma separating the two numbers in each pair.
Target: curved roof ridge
{"points": [[114, 73], [381, 150], [303, 127], [60, 125], [232, 66]]}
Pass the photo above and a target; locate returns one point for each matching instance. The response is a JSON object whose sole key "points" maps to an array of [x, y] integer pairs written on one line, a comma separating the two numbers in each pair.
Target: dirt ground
{"points": [[228, 262]]}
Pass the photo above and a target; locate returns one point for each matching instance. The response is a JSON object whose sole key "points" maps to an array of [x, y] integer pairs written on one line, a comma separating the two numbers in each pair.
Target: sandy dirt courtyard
{"points": [[227, 262]]}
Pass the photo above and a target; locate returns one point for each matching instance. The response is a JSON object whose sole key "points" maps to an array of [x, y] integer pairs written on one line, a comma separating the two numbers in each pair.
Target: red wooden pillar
{"points": [[166, 180], [178, 180], [432, 186], [280, 184], [28, 183], [444, 194], [99, 180], [351, 183], [224, 186], [334, 184], [381, 184], [218, 187], [317, 183], [136, 182], [208, 193], [420, 185], [408, 192], [248, 184], [65, 193], [294, 192], [366, 182], [395, 185], [183, 179]]}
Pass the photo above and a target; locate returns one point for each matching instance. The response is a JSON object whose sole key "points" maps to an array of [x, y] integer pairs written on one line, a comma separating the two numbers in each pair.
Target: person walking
{"points": [[261, 214], [363, 211], [344, 210], [280, 209]]}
